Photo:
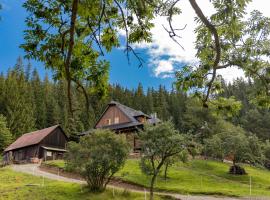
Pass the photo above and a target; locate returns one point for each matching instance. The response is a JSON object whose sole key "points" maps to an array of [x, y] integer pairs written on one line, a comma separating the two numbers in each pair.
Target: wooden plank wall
{"points": [[55, 139], [111, 113]]}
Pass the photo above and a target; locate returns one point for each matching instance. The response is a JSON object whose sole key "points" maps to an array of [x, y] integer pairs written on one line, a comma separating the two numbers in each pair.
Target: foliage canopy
{"points": [[97, 157]]}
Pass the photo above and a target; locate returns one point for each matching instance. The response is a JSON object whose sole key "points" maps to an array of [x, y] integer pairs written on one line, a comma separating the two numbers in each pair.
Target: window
{"points": [[49, 153], [108, 121], [116, 120]]}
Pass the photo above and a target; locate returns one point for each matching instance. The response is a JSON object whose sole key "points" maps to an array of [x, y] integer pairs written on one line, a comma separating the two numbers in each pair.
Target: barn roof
{"points": [[32, 138]]}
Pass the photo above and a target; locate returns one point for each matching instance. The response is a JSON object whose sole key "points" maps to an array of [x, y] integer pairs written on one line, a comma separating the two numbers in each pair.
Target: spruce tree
{"points": [[5, 135], [39, 98], [19, 106]]}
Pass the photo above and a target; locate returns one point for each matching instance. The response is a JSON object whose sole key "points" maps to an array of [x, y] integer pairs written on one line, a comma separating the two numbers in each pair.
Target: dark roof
{"points": [[154, 120], [32, 138], [86, 132], [130, 112]]}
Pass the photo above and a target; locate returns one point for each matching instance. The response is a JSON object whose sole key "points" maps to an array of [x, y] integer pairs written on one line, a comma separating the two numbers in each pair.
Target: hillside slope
{"points": [[203, 177]]}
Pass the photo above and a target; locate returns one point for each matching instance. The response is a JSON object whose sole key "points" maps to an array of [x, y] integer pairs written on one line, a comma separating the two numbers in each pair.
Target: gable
{"points": [[56, 138], [114, 115]]}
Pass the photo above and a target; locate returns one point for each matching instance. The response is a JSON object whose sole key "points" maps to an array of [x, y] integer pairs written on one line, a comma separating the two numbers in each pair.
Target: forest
{"points": [[29, 103]]}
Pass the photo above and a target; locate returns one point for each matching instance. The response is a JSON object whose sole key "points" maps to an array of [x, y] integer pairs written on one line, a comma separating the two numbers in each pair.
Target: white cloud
{"points": [[162, 45], [164, 68], [231, 73]]}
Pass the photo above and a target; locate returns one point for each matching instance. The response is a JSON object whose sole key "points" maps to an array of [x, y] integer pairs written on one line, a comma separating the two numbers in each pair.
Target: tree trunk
{"points": [[214, 32], [69, 53], [152, 186], [166, 170], [234, 167]]}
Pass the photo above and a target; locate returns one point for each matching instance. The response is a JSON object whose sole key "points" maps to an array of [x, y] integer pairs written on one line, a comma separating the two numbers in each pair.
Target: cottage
{"points": [[125, 120], [46, 144]]}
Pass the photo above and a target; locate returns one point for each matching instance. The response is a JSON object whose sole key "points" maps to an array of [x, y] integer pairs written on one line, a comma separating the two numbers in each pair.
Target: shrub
{"points": [[97, 157]]}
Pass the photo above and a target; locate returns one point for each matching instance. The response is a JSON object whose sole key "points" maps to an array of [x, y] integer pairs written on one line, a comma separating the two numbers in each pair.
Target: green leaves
{"points": [[159, 142], [243, 44], [226, 107], [109, 39], [5, 134], [232, 141], [97, 157], [70, 37]]}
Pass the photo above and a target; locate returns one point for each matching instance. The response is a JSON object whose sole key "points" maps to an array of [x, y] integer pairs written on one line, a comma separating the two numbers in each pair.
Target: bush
{"points": [[97, 157], [237, 170]]}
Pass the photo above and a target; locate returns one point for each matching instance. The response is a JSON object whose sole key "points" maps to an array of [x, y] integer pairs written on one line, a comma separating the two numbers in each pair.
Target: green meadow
{"points": [[203, 177], [199, 177], [19, 186]]}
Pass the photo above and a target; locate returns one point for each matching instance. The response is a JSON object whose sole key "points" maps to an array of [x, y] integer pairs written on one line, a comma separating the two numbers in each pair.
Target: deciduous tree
{"points": [[70, 36], [159, 143]]}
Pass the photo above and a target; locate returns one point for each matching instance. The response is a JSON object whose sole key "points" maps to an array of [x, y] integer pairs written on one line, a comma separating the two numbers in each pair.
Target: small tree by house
{"points": [[97, 157], [159, 144]]}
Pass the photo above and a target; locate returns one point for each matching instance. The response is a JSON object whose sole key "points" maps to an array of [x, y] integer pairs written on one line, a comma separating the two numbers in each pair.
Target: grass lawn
{"points": [[199, 177], [203, 177], [56, 163], [14, 185]]}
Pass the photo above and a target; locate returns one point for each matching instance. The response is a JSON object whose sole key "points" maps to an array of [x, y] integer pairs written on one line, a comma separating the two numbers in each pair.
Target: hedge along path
{"points": [[34, 169]]}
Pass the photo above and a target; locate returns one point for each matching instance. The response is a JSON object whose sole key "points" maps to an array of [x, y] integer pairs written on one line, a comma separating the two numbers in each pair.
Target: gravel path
{"points": [[33, 169]]}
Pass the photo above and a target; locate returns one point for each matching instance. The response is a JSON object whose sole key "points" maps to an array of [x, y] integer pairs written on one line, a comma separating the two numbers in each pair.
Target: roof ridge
{"points": [[125, 106], [36, 131]]}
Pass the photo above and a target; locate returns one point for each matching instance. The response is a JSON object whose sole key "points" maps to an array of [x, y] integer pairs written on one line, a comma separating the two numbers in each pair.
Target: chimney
{"points": [[154, 115]]}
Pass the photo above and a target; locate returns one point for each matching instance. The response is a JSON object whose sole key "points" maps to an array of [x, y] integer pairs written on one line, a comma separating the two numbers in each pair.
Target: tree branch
{"points": [[69, 53], [214, 32]]}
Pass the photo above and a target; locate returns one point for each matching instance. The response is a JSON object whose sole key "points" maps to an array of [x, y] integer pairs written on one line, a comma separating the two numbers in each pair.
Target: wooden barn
{"points": [[45, 144], [125, 120]]}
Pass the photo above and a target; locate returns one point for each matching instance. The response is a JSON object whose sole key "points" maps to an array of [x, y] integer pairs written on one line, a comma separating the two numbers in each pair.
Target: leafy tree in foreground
{"points": [[159, 144], [5, 135], [97, 157], [71, 36], [225, 39]]}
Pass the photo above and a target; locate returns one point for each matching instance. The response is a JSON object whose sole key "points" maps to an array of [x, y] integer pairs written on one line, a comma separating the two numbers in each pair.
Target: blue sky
{"points": [[11, 36]]}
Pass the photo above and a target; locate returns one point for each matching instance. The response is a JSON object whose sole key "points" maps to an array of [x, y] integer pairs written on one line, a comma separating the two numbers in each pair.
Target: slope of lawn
{"points": [[199, 177], [56, 163], [14, 185], [203, 177]]}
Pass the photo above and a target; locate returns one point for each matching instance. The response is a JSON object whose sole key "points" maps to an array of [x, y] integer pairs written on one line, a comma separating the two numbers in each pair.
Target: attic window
{"points": [[108, 121], [116, 120]]}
